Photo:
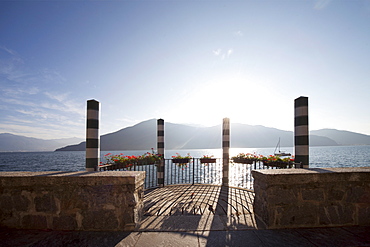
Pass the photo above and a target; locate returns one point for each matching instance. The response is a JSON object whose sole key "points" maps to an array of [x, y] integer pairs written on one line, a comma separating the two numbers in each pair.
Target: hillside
{"points": [[343, 137], [16, 143], [142, 136]]}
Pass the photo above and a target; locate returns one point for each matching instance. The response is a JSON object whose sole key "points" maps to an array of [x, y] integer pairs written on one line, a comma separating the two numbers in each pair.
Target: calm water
{"points": [[323, 157]]}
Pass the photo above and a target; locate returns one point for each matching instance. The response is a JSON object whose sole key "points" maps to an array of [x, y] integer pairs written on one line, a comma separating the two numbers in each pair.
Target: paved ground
{"points": [[344, 236], [197, 215], [198, 199], [198, 207]]}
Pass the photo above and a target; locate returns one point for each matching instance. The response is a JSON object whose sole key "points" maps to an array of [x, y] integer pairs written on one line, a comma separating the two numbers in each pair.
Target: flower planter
{"points": [[276, 164], [207, 160], [243, 161], [180, 161], [147, 162]]}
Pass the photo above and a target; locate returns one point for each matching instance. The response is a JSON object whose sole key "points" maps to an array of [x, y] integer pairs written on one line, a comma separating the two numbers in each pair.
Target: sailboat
{"points": [[280, 153]]}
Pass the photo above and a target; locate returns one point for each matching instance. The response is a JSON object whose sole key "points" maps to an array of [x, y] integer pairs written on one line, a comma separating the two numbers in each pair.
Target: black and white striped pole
{"points": [[225, 151], [301, 134], [160, 150], [92, 136]]}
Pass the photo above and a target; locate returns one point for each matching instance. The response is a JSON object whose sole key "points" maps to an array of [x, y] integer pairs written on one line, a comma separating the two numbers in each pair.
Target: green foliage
{"points": [[271, 160], [130, 160]]}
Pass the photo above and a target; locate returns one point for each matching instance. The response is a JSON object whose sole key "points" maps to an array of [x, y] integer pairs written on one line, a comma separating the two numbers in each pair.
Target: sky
{"points": [[193, 62]]}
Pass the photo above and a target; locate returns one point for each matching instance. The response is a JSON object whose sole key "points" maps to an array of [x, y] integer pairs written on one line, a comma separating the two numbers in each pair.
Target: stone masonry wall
{"points": [[88, 201], [294, 198]]}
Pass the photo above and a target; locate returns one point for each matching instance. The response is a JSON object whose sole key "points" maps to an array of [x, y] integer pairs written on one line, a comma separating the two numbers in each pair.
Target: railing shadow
{"points": [[197, 208], [168, 205]]}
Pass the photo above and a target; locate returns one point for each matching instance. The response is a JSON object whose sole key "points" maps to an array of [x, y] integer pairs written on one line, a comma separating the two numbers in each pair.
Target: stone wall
{"points": [[295, 198], [88, 201]]}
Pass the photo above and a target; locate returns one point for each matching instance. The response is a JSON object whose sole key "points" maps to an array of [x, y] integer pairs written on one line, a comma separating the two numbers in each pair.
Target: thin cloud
{"points": [[14, 101], [217, 52], [10, 51], [238, 33], [63, 107], [9, 61], [321, 4], [64, 104], [44, 76], [68, 106], [223, 54], [28, 103], [57, 97], [16, 120], [42, 116], [12, 68], [33, 113], [16, 92], [45, 131], [229, 52], [50, 75]]}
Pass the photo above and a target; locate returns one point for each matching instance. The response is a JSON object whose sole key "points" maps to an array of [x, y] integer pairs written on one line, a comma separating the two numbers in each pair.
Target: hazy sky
{"points": [[184, 61]]}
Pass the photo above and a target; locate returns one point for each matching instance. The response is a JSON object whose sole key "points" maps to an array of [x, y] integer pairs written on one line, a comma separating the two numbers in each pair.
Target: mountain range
{"points": [[16, 143], [143, 136]]}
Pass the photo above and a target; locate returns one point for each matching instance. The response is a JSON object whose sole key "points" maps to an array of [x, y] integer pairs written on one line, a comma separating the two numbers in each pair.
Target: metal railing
{"points": [[194, 172]]}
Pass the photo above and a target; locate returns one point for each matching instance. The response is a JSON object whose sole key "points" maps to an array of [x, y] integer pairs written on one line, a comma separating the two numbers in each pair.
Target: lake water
{"points": [[322, 157]]}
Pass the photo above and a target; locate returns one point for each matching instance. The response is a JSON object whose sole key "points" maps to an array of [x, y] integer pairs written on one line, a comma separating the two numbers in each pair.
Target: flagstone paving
{"points": [[197, 207]]}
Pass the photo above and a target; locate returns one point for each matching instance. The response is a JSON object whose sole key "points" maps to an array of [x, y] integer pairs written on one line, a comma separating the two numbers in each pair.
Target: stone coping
{"points": [[315, 170], [303, 176], [79, 177]]}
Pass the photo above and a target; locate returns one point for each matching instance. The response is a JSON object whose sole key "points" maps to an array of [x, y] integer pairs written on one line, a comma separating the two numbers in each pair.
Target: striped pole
{"points": [[92, 136], [160, 150], [301, 134], [225, 151]]}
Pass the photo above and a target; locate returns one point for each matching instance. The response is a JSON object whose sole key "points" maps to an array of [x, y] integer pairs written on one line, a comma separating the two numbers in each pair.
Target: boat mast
{"points": [[278, 145]]}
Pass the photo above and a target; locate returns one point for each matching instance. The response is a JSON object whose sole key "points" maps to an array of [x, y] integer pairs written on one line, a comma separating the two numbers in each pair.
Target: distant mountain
{"points": [[16, 143], [243, 135], [143, 136], [343, 137]]}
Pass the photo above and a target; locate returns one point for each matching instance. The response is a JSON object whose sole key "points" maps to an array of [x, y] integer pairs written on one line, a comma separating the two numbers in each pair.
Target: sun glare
{"points": [[241, 100]]}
